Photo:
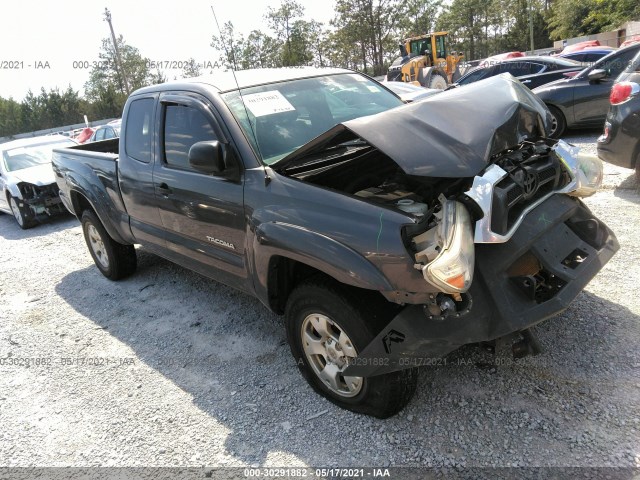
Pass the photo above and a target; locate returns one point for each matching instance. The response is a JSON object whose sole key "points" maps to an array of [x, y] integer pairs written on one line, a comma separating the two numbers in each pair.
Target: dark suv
{"points": [[620, 142]]}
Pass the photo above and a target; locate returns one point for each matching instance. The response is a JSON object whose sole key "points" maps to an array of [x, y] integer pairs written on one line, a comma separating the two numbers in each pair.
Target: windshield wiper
{"points": [[328, 156]]}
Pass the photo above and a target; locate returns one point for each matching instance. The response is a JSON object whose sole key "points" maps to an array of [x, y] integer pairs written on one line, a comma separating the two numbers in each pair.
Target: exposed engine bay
{"points": [[532, 171], [383, 183], [444, 208]]}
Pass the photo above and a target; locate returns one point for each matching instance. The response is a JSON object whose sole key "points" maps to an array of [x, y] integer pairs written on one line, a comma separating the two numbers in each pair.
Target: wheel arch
{"points": [[12, 190], [561, 108], [284, 255], [428, 72], [80, 202]]}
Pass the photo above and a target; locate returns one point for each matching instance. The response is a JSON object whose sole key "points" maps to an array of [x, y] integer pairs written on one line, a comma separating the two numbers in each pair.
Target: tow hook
{"points": [[529, 345], [442, 306]]}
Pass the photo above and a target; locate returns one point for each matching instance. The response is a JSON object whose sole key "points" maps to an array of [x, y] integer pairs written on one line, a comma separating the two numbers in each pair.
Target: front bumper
{"points": [[570, 247], [40, 201]]}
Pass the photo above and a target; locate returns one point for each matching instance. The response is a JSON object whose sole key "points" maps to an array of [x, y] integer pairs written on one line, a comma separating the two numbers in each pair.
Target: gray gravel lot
{"points": [[182, 371]]}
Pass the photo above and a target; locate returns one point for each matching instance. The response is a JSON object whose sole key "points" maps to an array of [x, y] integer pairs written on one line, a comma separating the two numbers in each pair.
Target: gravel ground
{"points": [[182, 371]]}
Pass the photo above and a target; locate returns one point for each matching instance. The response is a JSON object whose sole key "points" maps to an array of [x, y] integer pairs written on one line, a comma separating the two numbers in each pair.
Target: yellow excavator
{"points": [[425, 60]]}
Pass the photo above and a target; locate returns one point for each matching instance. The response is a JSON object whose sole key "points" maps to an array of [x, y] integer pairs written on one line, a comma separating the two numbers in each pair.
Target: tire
{"points": [[23, 221], [114, 260], [437, 81], [558, 123], [324, 321]]}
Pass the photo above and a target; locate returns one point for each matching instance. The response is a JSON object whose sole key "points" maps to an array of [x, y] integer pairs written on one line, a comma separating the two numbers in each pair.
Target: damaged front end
{"points": [[535, 247], [39, 201], [493, 222]]}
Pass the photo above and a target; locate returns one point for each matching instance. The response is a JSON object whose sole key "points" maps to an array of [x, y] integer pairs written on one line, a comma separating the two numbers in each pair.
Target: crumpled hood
{"points": [[39, 175], [452, 134]]}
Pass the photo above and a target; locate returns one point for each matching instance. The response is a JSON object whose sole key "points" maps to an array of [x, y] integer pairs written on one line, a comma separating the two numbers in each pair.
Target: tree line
{"points": [[104, 94], [363, 35]]}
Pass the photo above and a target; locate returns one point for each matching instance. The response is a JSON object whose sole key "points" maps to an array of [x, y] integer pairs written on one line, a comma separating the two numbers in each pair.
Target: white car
{"points": [[28, 188]]}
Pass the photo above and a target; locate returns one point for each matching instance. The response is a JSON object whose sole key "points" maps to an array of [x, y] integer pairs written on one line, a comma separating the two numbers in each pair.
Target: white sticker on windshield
{"points": [[373, 88], [267, 103]]}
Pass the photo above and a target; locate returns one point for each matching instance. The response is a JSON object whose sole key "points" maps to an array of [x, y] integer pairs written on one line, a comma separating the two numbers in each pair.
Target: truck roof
{"points": [[225, 81]]}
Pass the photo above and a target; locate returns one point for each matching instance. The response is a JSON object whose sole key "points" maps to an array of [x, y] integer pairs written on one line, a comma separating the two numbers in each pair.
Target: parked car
{"points": [[531, 71], [28, 189], [630, 41], [84, 135], [409, 92], [387, 233], [576, 47], [105, 132], [620, 142], [588, 55], [500, 57], [583, 101]]}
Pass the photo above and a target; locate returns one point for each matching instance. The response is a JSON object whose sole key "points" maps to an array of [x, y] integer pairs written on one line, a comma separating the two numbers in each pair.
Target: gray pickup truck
{"points": [[387, 234]]}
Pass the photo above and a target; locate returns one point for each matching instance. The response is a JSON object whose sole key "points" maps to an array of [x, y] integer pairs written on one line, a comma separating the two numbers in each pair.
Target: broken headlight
{"points": [[446, 253], [585, 169]]}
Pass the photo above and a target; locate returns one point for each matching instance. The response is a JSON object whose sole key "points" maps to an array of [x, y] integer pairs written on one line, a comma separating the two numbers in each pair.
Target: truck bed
{"points": [[103, 146], [93, 168]]}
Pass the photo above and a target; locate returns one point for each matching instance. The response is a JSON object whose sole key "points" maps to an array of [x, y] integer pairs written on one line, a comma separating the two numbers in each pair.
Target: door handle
{"points": [[164, 189]]}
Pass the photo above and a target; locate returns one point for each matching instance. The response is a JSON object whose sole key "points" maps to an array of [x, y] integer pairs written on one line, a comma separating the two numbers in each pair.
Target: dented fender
{"points": [[315, 250]]}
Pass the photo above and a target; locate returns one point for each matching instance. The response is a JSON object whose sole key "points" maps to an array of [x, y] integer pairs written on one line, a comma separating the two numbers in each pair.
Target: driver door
{"points": [[202, 214]]}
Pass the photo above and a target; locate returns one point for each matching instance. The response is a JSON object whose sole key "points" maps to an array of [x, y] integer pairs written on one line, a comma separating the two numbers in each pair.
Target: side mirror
{"points": [[207, 157], [597, 75]]}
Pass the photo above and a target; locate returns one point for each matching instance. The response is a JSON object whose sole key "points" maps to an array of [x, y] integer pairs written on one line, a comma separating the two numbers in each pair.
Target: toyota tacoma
{"points": [[385, 233]]}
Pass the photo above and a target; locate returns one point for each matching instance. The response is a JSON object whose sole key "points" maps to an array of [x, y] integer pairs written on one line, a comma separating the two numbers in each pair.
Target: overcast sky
{"points": [[37, 32]]}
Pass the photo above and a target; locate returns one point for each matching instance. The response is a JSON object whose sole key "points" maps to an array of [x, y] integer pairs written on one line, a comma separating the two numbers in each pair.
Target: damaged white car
{"points": [[28, 188]]}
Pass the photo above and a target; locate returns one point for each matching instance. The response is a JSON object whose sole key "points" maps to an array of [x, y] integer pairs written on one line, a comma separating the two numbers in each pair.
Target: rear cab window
{"points": [[139, 129]]}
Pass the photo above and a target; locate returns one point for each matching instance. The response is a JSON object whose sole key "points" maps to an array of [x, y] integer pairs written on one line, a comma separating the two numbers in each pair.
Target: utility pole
{"points": [[531, 24], [119, 66]]}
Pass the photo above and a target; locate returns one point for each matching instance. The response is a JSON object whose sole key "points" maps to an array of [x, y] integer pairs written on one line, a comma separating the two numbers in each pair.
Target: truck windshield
{"points": [[281, 117], [31, 155]]}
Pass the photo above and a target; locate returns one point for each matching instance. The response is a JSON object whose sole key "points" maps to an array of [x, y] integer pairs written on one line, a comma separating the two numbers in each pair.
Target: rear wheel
{"points": [[113, 259], [437, 81], [326, 328], [23, 220], [558, 123]]}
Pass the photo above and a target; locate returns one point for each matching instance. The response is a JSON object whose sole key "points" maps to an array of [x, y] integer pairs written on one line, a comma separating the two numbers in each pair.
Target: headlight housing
{"points": [[586, 170], [446, 253]]}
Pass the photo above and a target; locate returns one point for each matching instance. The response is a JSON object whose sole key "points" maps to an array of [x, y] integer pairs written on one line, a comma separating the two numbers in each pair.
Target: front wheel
{"points": [[558, 123], [22, 219], [438, 82], [326, 329], [113, 259]]}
